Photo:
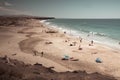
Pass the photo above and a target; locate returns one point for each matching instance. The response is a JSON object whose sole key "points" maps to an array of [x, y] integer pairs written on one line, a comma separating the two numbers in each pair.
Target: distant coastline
{"points": [[25, 17]]}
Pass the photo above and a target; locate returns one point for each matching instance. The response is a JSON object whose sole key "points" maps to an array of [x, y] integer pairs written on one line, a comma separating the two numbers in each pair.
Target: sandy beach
{"points": [[39, 43]]}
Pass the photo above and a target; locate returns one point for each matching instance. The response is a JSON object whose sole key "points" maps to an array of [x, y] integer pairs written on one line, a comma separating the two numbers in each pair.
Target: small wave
{"points": [[43, 21], [97, 33], [101, 34], [47, 23], [93, 33]]}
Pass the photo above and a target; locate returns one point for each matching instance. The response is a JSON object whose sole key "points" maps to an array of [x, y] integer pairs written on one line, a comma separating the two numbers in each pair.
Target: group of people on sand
{"points": [[80, 40], [91, 43]]}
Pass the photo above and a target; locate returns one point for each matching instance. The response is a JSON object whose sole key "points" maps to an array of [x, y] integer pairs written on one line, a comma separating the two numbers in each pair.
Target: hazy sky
{"points": [[63, 8]]}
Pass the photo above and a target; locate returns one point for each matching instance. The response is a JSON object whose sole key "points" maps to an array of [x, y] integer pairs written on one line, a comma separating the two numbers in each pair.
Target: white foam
{"points": [[43, 21], [97, 37]]}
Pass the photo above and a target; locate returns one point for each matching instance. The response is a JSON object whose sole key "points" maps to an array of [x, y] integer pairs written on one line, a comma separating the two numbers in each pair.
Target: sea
{"points": [[103, 31]]}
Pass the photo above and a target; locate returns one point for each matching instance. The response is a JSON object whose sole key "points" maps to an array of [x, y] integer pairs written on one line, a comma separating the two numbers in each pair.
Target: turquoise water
{"points": [[106, 31]]}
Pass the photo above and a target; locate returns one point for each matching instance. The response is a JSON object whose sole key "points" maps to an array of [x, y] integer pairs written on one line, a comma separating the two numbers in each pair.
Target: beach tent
{"points": [[66, 57], [98, 60]]}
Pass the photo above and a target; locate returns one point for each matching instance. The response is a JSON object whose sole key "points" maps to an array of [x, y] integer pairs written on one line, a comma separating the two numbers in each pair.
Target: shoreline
{"points": [[54, 47], [76, 34]]}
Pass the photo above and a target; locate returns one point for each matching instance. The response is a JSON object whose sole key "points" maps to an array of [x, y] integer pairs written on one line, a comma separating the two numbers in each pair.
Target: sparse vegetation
{"points": [[21, 71]]}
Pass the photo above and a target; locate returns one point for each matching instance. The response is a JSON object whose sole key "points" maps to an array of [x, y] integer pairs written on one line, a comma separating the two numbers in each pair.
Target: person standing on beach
{"points": [[92, 42], [81, 40], [79, 48], [64, 32], [42, 54]]}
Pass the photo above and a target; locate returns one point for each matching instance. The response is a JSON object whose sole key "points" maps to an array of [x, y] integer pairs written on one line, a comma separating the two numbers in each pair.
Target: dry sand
{"points": [[21, 42]]}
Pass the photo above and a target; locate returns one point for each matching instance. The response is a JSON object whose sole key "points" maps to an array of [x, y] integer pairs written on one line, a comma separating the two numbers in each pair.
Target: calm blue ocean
{"points": [[105, 31]]}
